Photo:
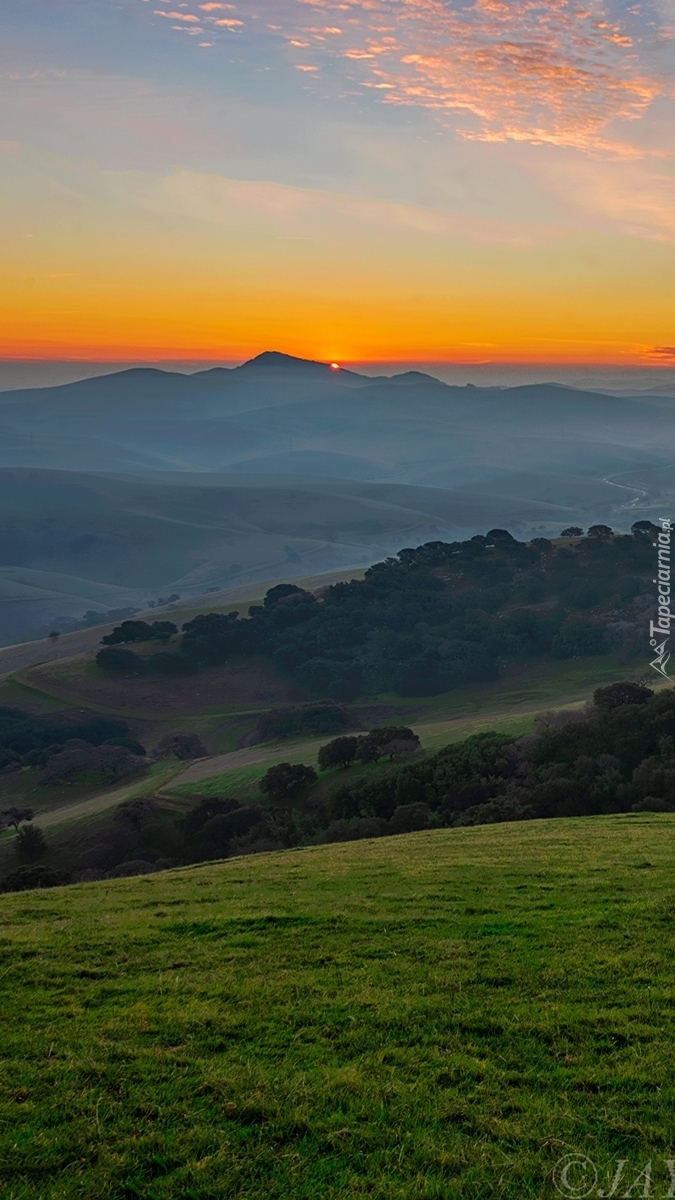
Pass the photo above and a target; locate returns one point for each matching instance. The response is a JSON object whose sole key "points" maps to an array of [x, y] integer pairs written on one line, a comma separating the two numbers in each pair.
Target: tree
{"points": [[12, 817], [375, 744], [341, 752], [280, 592], [617, 694], [572, 531], [647, 527], [398, 749], [30, 842], [131, 631], [600, 531], [182, 745], [162, 630], [285, 781]]}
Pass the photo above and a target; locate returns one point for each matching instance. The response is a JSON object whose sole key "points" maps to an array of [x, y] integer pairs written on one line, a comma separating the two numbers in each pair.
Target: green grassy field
{"points": [[444, 1014]]}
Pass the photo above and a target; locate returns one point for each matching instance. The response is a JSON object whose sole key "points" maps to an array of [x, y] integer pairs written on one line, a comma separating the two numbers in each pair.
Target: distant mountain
{"points": [[115, 487], [409, 428]]}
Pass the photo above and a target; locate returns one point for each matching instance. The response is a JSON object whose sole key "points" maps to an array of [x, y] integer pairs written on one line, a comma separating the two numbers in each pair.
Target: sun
{"points": [[335, 366]]}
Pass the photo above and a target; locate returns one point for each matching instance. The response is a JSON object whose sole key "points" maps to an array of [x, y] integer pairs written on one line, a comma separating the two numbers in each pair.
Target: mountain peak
{"points": [[274, 360]]}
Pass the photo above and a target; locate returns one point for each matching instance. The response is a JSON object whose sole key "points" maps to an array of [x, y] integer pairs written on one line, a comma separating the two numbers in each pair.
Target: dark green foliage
{"points": [[30, 842], [217, 836], [439, 616], [578, 639], [77, 762], [129, 744], [281, 592], [572, 531], [9, 758], [182, 745], [11, 818], [115, 661], [494, 811], [323, 716], [23, 733], [171, 664], [407, 818], [377, 743], [328, 677], [210, 806], [129, 631], [286, 780], [645, 527], [575, 764], [25, 879], [211, 638], [140, 631], [163, 630], [616, 694], [341, 752], [38, 758]]}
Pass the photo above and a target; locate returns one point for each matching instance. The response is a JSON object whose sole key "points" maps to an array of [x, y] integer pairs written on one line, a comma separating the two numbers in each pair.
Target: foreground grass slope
{"points": [[443, 1014]]}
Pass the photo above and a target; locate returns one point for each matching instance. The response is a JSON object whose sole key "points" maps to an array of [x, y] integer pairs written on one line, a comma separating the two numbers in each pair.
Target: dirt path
{"points": [[102, 801], [206, 768]]}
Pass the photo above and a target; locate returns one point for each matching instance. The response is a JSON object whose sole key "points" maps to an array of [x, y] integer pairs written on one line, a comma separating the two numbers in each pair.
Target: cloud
{"points": [[176, 16], [663, 354], [537, 71], [296, 211]]}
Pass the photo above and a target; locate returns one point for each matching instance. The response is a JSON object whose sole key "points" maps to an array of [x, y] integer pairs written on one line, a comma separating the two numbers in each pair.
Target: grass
{"points": [[443, 1014]]}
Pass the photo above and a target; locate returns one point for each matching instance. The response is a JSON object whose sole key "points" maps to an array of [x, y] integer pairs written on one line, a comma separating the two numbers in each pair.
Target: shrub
{"points": [[409, 817], [285, 781], [354, 830], [78, 762], [129, 744], [322, 716], [163, 630], [652, 804], [182, 745], [30, 842], [120, 662], [27, 878]]}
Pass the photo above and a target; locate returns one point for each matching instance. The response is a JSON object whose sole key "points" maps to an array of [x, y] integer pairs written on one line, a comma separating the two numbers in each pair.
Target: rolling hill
{"points": [[117, 488]]}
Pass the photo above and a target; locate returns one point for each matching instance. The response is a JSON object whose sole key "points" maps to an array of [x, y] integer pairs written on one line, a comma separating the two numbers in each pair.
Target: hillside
{"points": [[442, 1014], [116, 489], [75, 542]]}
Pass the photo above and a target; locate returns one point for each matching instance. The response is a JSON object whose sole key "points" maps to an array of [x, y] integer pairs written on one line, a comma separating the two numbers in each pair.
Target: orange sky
{"points": [[472, 204]]}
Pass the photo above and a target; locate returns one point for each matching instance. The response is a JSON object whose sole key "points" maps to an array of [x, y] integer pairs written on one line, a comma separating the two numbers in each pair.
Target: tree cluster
{"points": [[439, 616], [31, 741]]}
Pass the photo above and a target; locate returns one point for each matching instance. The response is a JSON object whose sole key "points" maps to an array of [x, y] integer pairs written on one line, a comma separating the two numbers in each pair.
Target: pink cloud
{"points": [[538, 71], [176, 16]]}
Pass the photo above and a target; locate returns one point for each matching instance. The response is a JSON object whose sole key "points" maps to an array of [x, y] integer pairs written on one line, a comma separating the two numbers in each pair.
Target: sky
{"points": [[349, 180]]}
